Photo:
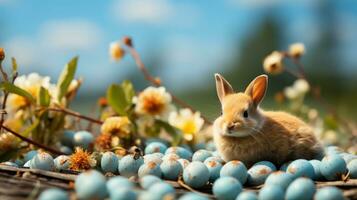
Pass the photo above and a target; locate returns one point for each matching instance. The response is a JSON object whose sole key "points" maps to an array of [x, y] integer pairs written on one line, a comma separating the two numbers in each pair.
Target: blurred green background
{"points": [[185, 43]]}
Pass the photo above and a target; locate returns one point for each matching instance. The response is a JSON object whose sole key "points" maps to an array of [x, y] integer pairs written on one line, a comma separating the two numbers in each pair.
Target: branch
{"points": [[75, 114], [154, 80], [30, 141]]}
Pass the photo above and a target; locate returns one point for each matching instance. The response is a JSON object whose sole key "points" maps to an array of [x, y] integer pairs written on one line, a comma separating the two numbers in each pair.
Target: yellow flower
{"points": [[296, 50], [273, 63], [119, 126], [153, 101], [188, 122], [116, 51], [81, 160], [31, 83]]}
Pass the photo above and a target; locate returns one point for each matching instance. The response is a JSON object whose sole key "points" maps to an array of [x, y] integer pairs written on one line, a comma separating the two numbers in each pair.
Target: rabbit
{"points": [[247, 133]]}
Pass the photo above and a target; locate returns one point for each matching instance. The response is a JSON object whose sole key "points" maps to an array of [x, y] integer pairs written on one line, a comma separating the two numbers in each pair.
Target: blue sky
{"points": [[193, 38]]}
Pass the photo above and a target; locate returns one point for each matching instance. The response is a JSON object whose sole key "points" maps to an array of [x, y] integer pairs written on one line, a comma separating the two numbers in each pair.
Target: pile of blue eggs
{"points": [[149, 177]]}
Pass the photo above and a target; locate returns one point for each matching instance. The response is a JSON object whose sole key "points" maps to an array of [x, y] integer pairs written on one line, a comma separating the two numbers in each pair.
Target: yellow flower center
{"points": [[189, 127]]}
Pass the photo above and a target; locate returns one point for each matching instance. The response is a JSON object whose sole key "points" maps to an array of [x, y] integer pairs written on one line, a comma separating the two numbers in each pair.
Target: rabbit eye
{"points": [[245, 114]]}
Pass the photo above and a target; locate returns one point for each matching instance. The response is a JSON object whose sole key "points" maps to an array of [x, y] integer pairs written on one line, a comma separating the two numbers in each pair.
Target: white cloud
{"points": [[70, 35], [267, 3], [54, 42], [143, 11], [24, 49]]}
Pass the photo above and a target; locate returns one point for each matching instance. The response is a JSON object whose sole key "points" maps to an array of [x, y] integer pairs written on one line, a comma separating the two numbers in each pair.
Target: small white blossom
{"points": [[296, 49], [273, 63]]}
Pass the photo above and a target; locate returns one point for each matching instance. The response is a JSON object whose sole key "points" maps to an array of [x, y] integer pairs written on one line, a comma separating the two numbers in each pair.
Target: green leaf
{"points": [[66, 77], [9, 87], [44, 97], [14, 65], [175, 133], [117, 99], [32, 127], [129, 91]]}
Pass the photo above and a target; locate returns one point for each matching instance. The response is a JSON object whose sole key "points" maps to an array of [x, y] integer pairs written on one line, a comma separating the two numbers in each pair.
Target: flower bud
{"points": [[296, 50], [273, 63], [116, 51], [128, 41], [2, 54]]}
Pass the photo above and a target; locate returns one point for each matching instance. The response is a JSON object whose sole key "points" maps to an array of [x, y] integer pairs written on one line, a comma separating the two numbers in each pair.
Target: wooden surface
{"points": [[23, 183]]}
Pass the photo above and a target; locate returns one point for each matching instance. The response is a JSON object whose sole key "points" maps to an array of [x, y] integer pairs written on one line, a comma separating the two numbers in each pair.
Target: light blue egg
{"points": [[316, 164], [199, 146], [301, 168], [67, 138], [154, 157], [215, 158], [83, 139], [62, 162], [122, 194], [348, 157], [235, 169], [266, 163], [259, 172], [300, 189], [66, 150], [214, 169], [192, 196], [129, 165], [171, 169], [148, 180], [247, 195], [162, 190], [332, 167], [201, 155], [352, 168], [109, 162], [226, 188], [184, 163], [42, 161], [9, 163], [150, 168], [210, 146], [271, 192], [119, 182], [284, 166], [155, 147], [29, 155], [90, 184], [279, 178], [180, 151], [329, 193], [54, 194], [196, 174]]}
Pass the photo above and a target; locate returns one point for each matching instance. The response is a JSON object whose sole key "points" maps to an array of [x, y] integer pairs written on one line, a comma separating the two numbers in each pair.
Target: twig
{"points": [[156, 81], [182, 184], [75, 114], [30, 141]]}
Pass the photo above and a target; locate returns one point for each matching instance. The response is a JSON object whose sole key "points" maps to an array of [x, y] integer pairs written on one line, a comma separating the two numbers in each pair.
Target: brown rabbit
{"points": [[247, 133]]}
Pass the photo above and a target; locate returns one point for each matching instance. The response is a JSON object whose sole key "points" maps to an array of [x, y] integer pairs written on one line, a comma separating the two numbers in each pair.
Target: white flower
{"points": [[296, 50], [188, 122], [31, 83], [299, 88], [145, 123], [301, 85], [273, 63], [153, 101], [116, 51], [291, 93]]}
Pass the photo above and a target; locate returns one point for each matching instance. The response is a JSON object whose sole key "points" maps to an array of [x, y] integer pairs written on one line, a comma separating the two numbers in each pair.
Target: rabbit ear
{"points": [[257, 88], [223, 87]]}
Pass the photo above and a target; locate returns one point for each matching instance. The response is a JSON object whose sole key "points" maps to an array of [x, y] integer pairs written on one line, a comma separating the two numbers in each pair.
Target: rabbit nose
{"points": [[231, 127]]}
